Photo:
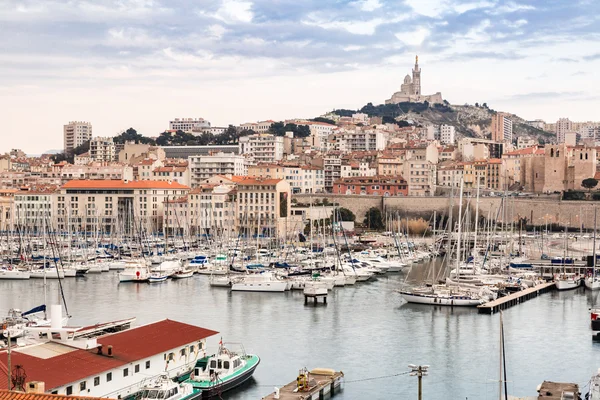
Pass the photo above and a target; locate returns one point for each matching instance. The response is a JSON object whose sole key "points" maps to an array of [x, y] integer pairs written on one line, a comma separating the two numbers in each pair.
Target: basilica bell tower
{"points": [[416, 77]]}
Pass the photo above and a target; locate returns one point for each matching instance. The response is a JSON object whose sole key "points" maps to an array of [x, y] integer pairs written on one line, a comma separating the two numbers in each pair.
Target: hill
{"points": [[468, 120]]}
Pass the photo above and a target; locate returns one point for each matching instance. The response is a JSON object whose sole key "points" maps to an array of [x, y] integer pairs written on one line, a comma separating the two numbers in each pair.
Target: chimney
{"points": [[109, 351], [35, 387]]}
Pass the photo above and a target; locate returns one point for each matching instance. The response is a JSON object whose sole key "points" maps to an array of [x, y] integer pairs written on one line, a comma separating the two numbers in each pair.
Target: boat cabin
{"points": [[225, 363]]}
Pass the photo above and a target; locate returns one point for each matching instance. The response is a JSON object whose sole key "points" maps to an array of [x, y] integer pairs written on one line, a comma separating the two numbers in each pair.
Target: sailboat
{"points": [[593, 282], [567, 281]]}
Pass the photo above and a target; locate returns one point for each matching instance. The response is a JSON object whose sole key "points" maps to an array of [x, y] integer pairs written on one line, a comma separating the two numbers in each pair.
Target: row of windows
{"points": [[109, 377]]}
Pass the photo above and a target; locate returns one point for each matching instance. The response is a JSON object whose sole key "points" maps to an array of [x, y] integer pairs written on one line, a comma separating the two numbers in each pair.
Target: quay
{"points": [[514, 298], [313, 385]]}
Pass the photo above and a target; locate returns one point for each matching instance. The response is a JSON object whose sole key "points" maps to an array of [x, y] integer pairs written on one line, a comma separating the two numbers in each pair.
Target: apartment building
{"points": [[421, 177], [359, 139], [332, 170], [76, 133], [502, 128], [87, 205], [33, 208], [258, 127], [7, 201], [212, 210], [372, 185], [96, 170], [172, 173], [562, 127], [447, 134], [354, 169], [262, 147], [493, 174], [263, 206], [391, 165], [188, 124], [301, 178], [203, 167], [102, 149], [449, 175]]}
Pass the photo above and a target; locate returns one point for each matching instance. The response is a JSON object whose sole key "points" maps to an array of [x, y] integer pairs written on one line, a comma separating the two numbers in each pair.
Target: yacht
{"points": [[594, 393], [134, 272], [46, 272], [222, 372], [262, 282], [448, 296], [567, 281], [11, 272]]}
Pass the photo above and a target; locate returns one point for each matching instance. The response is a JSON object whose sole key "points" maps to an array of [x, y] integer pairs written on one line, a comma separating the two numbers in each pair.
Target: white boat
{"points": [[210, 269], [13, 273], [567, 281], [134, 273], [263, 282], [47, 272], [117, 265], [594, 392], [592, 282], [446, 296], [315, 288], [157, 277], [164, 388], [220, 281], [183, 274]]}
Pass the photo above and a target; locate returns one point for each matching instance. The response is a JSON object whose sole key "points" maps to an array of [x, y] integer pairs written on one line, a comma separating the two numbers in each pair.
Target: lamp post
{"points": [[419, 371]]}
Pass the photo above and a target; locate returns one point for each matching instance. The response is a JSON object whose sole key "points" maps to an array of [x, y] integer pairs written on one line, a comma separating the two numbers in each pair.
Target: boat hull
{"points": [[15, 275], [568, 284], [592, 284], [440, 301], [235, 381], [260, 287]]}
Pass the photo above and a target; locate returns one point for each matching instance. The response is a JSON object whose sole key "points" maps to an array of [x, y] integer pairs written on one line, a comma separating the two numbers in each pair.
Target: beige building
{"points": [[563, 125], [172, 173], [263, 206], [76, 133], [7, 201], [390, 165], [212, 210]]}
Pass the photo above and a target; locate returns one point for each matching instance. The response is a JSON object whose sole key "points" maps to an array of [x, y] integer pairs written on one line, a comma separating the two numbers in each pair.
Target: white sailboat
{"points": [[263, 282], [13, 273]]}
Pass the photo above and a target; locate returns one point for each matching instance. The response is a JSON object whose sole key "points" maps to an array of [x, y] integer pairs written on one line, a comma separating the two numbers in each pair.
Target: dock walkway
{"points": [[514, 298], [320, 385]]}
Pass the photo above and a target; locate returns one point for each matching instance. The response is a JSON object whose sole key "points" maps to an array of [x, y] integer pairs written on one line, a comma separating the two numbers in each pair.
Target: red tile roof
{"points": [[6, 395], [129, 346], [258, 181], [120, 184]]}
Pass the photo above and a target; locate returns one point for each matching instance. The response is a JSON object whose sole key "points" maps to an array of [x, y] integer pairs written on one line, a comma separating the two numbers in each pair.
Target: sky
{"points": [[141, 63]]}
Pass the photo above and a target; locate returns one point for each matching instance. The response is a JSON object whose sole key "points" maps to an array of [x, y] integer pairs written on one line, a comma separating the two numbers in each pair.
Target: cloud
{"points": [[414, 37], [592, 57], [565, 60], [368, 5], [232, 11], [545, 95], [483, 55], [510, 7]]}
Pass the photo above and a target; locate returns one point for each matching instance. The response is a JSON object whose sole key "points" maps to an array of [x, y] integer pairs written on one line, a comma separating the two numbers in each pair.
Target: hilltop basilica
{"points": [[410, 91]]}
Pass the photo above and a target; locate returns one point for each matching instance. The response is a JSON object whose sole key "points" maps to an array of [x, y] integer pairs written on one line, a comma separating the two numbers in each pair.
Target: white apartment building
{"points": [[263, 206], [332, 170], [171, 173], [33, 209], [76, 133], [447, 134], [361, 140], [320, 131], [357, 169], [525, 142], [203, 167], [305, 179], [96, 170], [262, 147], [102, 149], [258, 127], [563, 125], [188, 124], [420, 176]]}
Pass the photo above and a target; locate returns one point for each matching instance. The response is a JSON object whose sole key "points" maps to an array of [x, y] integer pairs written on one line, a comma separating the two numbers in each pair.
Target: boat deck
{"points": [[514, 298], [322, 385], [554, 390]]}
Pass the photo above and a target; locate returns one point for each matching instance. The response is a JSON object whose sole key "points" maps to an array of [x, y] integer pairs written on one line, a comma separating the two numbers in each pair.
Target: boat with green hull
{"points": [[222, 372]]}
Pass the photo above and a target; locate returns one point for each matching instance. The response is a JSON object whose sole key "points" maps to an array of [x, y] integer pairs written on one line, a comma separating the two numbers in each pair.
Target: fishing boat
{"points": [[157, 277], [164, 388], [223, 371], [182, 274]]}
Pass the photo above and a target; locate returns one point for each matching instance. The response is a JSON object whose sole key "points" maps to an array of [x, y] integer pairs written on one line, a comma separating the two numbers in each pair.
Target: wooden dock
{"points": [[515, 298], [313, 385]]}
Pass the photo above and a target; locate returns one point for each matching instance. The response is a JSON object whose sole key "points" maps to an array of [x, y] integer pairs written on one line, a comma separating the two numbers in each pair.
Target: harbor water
{"points": [[366, 330]]}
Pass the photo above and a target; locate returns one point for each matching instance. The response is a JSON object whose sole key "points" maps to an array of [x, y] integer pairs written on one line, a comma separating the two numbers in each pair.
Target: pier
{"points": [[514, 298], [558, 391], [313, 385]]}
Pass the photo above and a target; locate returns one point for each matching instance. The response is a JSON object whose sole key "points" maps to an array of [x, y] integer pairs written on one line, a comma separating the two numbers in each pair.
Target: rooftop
{"points": [[71, 365], [121, 184], [11, 395]]}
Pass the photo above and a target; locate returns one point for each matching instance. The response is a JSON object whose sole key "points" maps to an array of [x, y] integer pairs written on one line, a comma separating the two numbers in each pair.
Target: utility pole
{"points": [[419, 371]]}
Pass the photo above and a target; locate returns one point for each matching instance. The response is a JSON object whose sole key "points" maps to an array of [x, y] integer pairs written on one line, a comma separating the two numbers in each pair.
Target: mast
{"points": [[460, 201], [476, 223], [594, 251]]}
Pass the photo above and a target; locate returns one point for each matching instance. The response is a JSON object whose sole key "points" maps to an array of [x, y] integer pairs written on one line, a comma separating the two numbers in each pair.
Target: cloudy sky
{"points": [[122, 63]]}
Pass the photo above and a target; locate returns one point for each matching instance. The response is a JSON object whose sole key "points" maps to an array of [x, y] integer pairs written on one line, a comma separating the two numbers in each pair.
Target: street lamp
{"points": [[419, 371]]}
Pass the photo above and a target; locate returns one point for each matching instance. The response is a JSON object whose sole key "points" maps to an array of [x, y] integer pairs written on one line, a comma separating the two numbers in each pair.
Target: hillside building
{"points": [[410, 90]]}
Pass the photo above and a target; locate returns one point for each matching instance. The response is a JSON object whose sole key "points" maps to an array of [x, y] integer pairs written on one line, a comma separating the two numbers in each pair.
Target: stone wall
{"points": [[538, 210]]}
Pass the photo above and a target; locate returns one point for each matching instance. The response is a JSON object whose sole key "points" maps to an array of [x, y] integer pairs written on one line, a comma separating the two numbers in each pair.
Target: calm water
{"points": [[366, 331]]}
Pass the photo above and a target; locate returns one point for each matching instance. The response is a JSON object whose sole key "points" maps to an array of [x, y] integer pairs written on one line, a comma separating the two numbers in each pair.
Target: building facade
{"points": [[76, 133], [502, 128], [372, 185], [102, 149], [410, 90], [203, 167], [188, 124], [262, 148]]}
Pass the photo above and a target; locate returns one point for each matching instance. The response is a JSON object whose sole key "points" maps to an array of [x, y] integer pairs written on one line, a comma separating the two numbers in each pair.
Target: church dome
{"points": [[407, 79]]}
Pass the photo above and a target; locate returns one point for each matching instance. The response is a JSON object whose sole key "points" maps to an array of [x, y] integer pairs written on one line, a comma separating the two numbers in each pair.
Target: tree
{"points": [[346, 215], [589, 183], [324, 120], [373, 219], [131, 135], [477, 105]]}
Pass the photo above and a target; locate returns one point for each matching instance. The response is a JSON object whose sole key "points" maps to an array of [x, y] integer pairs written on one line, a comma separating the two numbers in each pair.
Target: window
{"points": [[109, 377], [226, 365], [96, 381], [126, 372], [137, 368], [69, 390], [82, 386], [147, 364]]}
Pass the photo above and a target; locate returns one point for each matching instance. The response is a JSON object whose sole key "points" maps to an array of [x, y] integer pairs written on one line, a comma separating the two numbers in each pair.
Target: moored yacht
{"points": [[11, 272], [261, 282], [567, 281], [164, 388]]}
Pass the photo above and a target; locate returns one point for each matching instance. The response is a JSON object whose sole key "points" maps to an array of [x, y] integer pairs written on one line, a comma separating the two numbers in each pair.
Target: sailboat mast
{"points": [[594, 251], [460, 202]]}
